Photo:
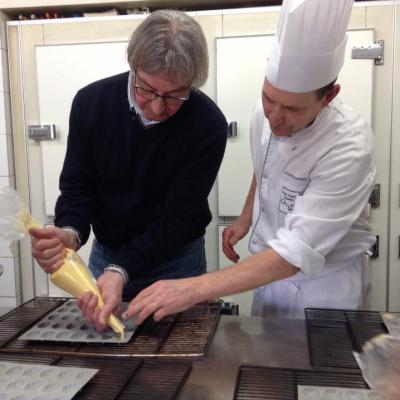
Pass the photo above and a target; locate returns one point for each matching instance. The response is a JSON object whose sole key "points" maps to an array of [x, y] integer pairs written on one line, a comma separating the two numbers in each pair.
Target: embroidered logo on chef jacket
{"points": [[287, 200]]}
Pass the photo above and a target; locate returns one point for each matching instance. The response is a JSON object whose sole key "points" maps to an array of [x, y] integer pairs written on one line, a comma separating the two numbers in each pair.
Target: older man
{"points": [[144, 149]]}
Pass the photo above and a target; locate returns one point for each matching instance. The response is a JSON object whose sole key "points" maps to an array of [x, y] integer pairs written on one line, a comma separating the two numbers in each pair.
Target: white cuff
{"points": [[297, 252], [118, 269]]}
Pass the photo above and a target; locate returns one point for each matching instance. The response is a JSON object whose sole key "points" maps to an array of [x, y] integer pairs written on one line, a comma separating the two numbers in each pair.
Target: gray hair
{"points": [[173, 42]]}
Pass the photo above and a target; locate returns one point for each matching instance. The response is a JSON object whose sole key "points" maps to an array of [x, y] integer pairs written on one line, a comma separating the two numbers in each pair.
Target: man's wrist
{"points": [[119, 270]]}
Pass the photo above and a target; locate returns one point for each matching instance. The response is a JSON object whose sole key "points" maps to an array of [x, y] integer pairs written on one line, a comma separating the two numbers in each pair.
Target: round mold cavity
{"points": [[57, 325], [68, 388], [70, 326], [51, 317], [81, 375], [31, 371], [15, 384], [62, 335], [14, 370], [353, 395], [310, 393], [329, 394], [66, 374], [84, 327], [65, 318], [48, 373], [51, 387], [108, 335], [48, 335], [42, 325], [74, 310], [34, 385], [33, 334], [77, 336], [19, 397], [92, 336], [374, 396]]}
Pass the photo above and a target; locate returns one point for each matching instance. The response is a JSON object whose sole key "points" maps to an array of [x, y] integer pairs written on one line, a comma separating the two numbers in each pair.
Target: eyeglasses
{"points": [[152, 95]]}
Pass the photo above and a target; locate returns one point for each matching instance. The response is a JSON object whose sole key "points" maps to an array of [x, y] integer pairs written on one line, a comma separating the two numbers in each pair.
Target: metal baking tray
{"points": [[255, 382], [187, 334], [333, 335]]}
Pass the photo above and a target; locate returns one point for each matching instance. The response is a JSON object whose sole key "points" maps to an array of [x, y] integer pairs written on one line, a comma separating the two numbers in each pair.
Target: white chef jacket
{"points": [[312, 189]]}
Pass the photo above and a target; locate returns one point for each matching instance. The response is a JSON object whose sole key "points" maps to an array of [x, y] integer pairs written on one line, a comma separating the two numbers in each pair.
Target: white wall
{"points": [[10, 291]]}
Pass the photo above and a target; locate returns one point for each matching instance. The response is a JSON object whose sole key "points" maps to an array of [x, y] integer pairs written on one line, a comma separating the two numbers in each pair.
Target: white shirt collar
{"points": [[133, 105]]}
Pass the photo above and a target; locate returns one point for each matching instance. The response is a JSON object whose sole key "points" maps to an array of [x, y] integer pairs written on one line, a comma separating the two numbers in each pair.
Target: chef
{"points": [[314, 169]]}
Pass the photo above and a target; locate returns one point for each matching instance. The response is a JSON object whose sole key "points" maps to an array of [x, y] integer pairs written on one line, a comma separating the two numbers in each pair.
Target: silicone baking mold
{"points": [[66, 324], [336, 393], [41, 382]]}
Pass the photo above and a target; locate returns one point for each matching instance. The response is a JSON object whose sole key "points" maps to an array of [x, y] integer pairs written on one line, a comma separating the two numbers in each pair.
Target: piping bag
{"points": [[73, 276]]}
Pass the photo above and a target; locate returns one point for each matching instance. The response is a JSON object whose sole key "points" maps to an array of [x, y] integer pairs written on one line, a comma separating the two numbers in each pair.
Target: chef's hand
{"points": [[231, 235], [163, 298], [48, 246], [110, 285]]}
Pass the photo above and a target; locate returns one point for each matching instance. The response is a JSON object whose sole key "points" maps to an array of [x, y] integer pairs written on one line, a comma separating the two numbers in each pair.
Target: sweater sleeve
{"points": [[78, 176]]}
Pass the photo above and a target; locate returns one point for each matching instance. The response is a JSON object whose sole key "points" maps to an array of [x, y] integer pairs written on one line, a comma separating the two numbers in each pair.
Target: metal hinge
{"points": [[374, 250], [375, 197], [369, 52], [42, 132], [232, 129]]}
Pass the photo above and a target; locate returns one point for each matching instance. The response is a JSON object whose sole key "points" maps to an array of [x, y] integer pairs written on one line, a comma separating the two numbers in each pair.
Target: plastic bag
{"points": [[73, 276], [15, 219], [380, 365]]}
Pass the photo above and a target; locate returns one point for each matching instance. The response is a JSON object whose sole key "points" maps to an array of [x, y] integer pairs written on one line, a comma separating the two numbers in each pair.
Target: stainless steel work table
{"points": [[245, 340]]}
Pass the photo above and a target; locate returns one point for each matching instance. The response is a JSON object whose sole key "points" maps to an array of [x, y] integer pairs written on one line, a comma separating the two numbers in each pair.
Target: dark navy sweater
{"points": [[143, 191]]}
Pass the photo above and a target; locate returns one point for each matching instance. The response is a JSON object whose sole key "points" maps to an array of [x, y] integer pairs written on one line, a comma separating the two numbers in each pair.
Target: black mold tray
{"points": [[333, 335], [256, 383], [185, 335]]}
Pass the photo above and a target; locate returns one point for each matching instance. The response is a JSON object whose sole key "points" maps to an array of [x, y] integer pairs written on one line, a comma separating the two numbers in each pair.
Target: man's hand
{"points": [[48, 246], [231, 235], [163, 298], [111, 285]]}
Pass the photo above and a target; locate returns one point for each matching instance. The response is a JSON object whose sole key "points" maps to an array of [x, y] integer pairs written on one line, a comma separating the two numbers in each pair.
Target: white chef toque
{"points": [[309, 46]]}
